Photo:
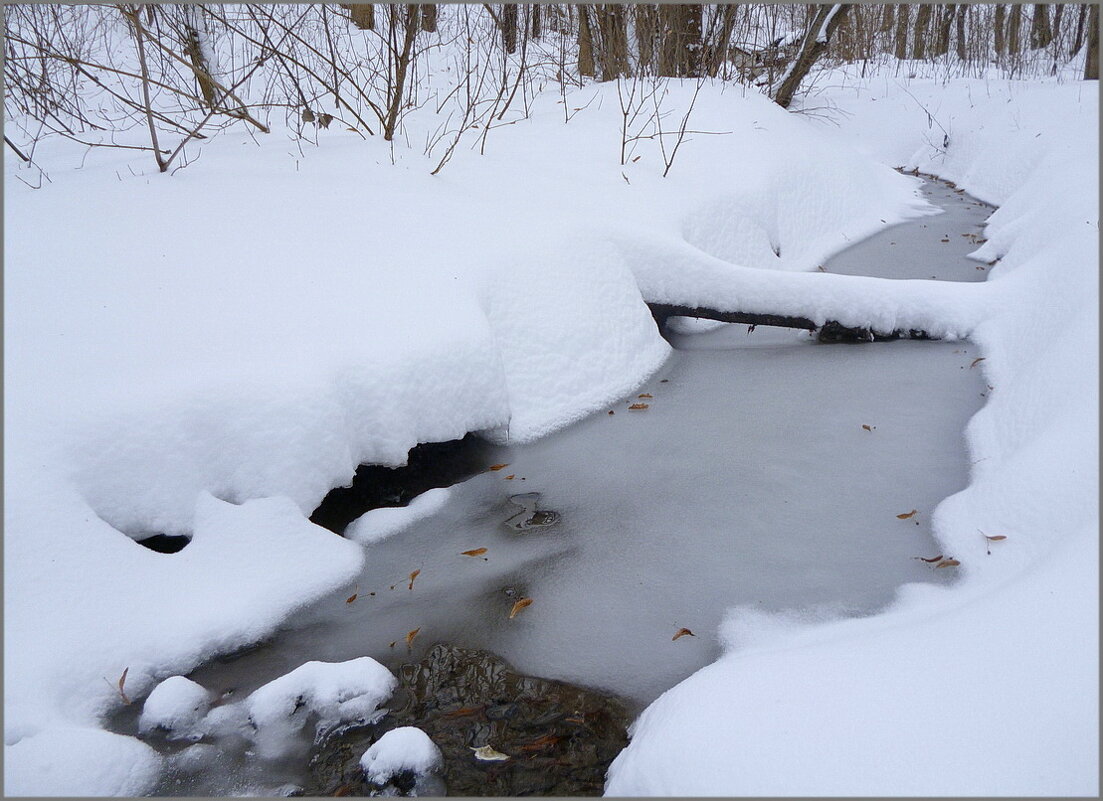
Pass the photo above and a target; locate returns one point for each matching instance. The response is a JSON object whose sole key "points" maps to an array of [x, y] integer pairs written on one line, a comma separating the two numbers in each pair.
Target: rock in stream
{"points": [[559, 738]]}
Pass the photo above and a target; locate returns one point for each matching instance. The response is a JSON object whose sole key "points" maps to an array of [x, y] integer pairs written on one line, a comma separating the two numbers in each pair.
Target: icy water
{"points": [[767, 470]]}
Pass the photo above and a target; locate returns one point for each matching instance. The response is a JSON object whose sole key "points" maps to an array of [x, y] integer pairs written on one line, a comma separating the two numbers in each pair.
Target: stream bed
{"points": [[765, 471]]}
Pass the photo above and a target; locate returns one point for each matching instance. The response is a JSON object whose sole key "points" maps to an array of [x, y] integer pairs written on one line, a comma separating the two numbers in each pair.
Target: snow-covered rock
{"points": [[406, 748], [176, 706]]}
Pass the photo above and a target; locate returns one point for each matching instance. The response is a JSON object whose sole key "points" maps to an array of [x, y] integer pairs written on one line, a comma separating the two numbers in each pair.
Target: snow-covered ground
{"points": [[209, 353]]}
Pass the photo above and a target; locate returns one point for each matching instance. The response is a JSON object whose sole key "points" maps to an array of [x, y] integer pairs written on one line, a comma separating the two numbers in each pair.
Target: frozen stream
{"points": [[748, 480]]}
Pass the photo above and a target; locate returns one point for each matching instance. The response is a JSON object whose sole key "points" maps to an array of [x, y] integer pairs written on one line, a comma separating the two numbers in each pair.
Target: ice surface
{"points": [[398, 750], [386, 521]]}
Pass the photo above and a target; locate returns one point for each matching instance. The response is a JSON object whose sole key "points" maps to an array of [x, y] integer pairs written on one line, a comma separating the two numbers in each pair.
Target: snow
{"points": [[230, 342], [176, 705], [387, 521], [989, 687], [401, 749], [337, 692]]}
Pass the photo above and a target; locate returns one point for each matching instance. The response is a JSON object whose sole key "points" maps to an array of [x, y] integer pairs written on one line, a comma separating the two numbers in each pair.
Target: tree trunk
{"points": [[719, 53], [362, 14], [536, 30], [680, 40], [614, 40], [585, 43], [509, 27], [887, 18], [902, 32], [1041, 34], [922, 22], [999, 27], [959, 41], [647, 19], [429, 17], [1078, 40], [945, 23], [1014, 25], [402, 63], [1091, 64], [816, 41]]}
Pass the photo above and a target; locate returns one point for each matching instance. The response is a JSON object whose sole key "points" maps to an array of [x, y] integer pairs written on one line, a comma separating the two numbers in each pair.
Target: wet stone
{"points": [[559, 737]]}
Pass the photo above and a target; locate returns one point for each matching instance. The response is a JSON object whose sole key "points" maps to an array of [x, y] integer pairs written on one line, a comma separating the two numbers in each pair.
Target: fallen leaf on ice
{"points": [[976, 361], [410, 637], [487, 754], [867, 428], [499, 466], [682, 633], [638, 406], [517, 607], [122, 681], [644, 395], [511, 476], [948, 563], [351, 598], [413, 576], [907, 515], [929, 561], [474, 552]]}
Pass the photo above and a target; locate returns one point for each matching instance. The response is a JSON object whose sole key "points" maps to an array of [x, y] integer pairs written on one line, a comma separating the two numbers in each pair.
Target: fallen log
{"points": [[830, 331]]}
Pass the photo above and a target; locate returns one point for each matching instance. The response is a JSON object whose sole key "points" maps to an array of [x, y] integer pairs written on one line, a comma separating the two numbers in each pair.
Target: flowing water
{"points": [[766, 471]]}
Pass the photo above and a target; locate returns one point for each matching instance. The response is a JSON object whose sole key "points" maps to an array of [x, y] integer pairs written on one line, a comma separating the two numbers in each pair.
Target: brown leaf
{"points": [[682, 633], [413, 576], [638, 406], [867, 428], [474, 552], [511, 476], [499, 466], [541, 743], [410, 637], [976, 361], [517, 607], [929, 561], [351, 598], [393, 644], [122, 681], [948, 563], [907, 515], [644, 395], [996, 537], [611, 412]]}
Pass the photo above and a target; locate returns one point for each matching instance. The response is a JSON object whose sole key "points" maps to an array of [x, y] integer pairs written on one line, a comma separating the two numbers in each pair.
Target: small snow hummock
{"points": [[378, 524], [406, 748], [338, 692], [176, 706]]}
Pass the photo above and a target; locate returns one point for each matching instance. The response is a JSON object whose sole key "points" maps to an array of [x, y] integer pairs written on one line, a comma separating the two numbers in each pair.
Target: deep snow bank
{"points": [[991, 687], [209, 353]]}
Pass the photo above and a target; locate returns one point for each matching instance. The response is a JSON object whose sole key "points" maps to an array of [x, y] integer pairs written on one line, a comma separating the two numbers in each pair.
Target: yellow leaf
{"points": [[908, 514], [995, 538], [644, 395], [499, 466], [511, 476], [948, 563], [517, 607], [413, 576], [683, 633], [410, 636], [487, 754], [474, 552]]}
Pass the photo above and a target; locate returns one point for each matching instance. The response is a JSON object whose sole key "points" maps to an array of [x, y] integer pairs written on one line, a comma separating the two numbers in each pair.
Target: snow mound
{"points": [[406, 748], [378, 524], [176, 706], [336, 692]]}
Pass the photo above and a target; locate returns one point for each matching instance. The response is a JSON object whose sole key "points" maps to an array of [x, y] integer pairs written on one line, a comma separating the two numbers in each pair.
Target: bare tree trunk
{"points": [[1041, 34], [1091, 65], [132, 14], [509, 27], [194, 50], [647, 23], [816, 41], [902, 32], [922, 22], [959, 41], [429, 17], [1000, 28], [614, 40], [585, 43], [402, 63], [1078, 40], [887, 18], [680, 40], [536, 30], [945, 23], [1014, 25], [362, 14], [719, 53]]}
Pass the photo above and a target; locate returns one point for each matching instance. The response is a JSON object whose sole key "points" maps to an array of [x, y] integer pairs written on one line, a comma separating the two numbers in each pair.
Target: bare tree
{"points": [[1091, 64], [1041, 34], [823, 25], [901, 49]]}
